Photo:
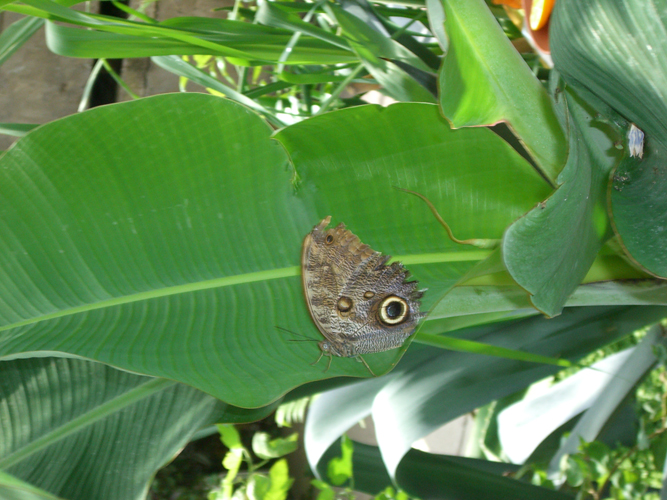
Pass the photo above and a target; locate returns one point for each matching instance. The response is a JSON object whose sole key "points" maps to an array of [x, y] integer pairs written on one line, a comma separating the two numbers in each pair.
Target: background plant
{"points": [[170, 249]]}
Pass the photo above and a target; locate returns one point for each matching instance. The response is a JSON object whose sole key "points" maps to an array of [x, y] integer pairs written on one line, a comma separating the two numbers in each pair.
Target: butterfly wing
{"points": [[385, 305]]}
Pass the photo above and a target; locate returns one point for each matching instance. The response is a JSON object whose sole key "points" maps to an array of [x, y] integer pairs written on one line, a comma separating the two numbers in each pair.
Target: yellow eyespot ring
{"points": [[393, 310]]}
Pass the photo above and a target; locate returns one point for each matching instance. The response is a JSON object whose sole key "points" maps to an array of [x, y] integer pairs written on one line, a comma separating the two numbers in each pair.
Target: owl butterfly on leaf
{"points": [[359, 303]]}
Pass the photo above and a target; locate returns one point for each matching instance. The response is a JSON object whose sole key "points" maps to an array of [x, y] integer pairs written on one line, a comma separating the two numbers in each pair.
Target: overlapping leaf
{"points": [[483, 81], [550, 250], [618, 51]]}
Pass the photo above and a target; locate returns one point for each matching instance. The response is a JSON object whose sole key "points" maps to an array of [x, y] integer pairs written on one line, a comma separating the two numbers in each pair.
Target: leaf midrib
{"points": [[270, 274]]}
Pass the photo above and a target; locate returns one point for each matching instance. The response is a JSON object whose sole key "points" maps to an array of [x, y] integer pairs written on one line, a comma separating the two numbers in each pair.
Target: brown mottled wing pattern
{"points": [[346, 283]]}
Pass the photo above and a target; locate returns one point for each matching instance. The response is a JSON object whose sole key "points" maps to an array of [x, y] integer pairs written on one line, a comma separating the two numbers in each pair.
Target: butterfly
{"points": [[358, 302]]}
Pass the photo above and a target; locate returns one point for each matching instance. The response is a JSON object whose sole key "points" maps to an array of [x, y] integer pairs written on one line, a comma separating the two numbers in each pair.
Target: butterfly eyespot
{"points": [[344, 304], [369, 295], [393, 310], [329, 239]]}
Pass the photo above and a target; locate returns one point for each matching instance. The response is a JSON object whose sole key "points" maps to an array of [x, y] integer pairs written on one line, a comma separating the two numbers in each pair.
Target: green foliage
{"points": [[254, 484], [339, 469], [292, 412], [340, 472], [267, 448], [160, 238], [390, 493]]}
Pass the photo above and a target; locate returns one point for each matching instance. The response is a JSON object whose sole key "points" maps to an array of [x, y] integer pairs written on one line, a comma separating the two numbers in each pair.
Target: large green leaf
{"points": [[132, 236], [426, 475], [617, 49], [461, 478], [478, 183], [82, 430], [163, 235], [518, 427], [483, 80], [550, 250]]}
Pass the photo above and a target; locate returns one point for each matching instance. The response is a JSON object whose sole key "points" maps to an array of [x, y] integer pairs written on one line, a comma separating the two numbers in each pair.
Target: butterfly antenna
{"points": [[304, 339]]}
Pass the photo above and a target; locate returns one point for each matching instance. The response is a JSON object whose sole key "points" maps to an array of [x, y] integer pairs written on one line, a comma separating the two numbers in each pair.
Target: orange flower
{"points": [[515, 4], [539, 14]]}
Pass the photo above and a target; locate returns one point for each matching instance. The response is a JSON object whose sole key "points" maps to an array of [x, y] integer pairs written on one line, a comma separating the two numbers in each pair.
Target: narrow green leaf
{"points": [[377, 51], [16, 34], [461, 345], [274, 15], [310, 78], [16, 129], [242, 40], [503, 301], [374, 42], [55, 12], [179, 67]]}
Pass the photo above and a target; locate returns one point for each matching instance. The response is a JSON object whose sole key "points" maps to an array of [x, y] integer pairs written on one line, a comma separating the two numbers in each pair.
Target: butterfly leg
{"points": [[323, 353], [362, 360], [318, 359]]}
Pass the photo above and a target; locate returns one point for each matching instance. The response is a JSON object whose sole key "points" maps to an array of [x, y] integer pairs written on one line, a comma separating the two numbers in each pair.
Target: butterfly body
{"points": [[358, 302]]}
